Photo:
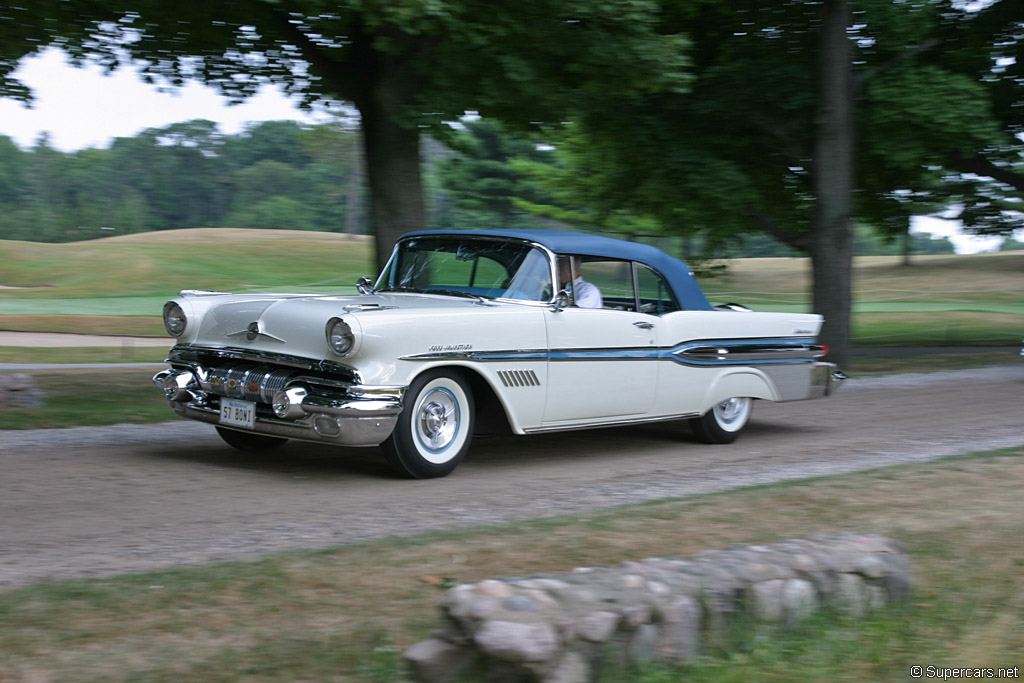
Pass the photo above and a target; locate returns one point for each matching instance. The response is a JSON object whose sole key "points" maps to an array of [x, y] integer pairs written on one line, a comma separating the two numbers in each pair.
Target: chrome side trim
{"points": [[743, 351], [608, 423], [696, 353], [518, 378]]}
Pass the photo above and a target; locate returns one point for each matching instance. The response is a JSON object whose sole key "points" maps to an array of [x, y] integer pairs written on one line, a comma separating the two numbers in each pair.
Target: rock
{"points": [[768, 604], [871, 566], [680, 629], [516, 642], [494, 589], [851, 593], [799, 599], [434, 661], [561, 630], [643, 644], [571, 668], [598, 627]]}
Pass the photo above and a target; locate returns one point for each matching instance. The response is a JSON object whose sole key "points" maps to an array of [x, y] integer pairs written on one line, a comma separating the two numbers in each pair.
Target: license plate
{"points": [[237, 413]]}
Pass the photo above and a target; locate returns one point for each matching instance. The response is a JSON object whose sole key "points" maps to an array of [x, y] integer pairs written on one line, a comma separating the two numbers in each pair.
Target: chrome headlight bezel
{"points": [[175, 319], [341, 340]]}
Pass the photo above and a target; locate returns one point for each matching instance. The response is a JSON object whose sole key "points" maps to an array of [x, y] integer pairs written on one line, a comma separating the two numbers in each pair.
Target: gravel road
{"points": [[93, 501]]}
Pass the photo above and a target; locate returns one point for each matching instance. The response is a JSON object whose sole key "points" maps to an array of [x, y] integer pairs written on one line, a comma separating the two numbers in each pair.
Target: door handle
{"points": [[643, 324]]}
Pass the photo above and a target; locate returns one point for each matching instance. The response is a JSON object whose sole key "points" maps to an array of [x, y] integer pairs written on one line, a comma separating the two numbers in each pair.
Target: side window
{"points": [[614, 279], [655, 296]]}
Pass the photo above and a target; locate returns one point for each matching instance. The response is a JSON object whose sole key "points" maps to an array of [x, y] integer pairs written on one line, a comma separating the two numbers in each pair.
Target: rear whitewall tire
{"points": [[435, 427], [724, 422]]}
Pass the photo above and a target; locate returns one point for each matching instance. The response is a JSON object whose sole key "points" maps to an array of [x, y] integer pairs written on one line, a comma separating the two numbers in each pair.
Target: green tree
{"points": [[278, 212], [266, 179], [46, 212], [803, 118], [278, 141], [404, 65], [178, 169], [1011, 244], [482, 175], [336, 175]]}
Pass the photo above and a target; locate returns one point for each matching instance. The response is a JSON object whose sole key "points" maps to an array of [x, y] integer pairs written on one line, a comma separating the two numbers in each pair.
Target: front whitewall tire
{"points": [[435, 427]]}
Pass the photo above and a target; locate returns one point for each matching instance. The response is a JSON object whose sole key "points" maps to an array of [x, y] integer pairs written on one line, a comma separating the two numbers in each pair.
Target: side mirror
{"points": [[364, 285], [562, 300]]}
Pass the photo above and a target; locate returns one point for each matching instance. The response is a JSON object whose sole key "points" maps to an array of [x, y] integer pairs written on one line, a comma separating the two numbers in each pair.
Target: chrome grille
{"points": [[252, 383]]}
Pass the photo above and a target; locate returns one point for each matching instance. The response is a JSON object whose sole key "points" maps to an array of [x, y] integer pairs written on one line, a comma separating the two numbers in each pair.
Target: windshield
{"points": [[474, 266]]}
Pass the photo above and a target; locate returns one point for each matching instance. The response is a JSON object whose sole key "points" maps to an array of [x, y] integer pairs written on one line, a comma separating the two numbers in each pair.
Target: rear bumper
{"points": [[825, 379]]}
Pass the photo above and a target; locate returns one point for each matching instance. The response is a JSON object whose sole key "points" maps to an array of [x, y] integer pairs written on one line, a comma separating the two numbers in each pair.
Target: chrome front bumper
{"points": [[289, 403]]}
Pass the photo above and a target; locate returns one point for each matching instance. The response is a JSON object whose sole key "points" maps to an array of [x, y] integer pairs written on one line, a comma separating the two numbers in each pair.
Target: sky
{"points": [[83, 108]]}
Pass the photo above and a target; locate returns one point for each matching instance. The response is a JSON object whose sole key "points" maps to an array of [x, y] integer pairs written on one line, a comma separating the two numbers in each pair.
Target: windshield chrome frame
{"points": [[552, 258]]}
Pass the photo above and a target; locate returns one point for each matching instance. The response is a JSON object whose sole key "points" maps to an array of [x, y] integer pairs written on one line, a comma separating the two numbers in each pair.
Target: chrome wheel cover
{"points": [[437, 422], [733, 413]]}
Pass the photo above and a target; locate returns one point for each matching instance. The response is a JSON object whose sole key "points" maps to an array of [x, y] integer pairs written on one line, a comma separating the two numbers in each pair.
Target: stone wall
{"points": [[560, 628]]}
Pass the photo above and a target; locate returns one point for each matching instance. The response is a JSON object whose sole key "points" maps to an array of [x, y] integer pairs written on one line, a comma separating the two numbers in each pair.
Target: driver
{"points": [[585, 294]]}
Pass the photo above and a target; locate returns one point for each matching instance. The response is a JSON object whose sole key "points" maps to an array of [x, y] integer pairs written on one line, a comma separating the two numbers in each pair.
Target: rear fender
{"points": [[746, 382]]}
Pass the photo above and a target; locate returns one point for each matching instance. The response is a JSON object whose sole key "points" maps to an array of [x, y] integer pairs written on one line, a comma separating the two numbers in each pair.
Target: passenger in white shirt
{"points": [[585, 294]]}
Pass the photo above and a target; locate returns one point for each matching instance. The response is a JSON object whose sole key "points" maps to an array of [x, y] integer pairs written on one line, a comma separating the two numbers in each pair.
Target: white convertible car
{"points": [[504, 331]]}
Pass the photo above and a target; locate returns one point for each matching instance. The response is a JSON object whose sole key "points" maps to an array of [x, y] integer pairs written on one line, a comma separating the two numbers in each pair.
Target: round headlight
{"points": [[174, 319], [340, 337]]}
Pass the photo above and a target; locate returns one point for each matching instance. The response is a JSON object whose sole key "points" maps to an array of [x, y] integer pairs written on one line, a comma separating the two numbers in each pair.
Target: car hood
{"points": [[296, 324]]}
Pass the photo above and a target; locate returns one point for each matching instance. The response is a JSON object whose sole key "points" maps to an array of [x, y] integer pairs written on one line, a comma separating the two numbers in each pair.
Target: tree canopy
{"points": [[803, 117], [405, 64]]}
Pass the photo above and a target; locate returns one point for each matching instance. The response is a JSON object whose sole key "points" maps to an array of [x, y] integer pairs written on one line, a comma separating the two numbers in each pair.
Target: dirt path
{"points": [[95, 501], [58, 340]]}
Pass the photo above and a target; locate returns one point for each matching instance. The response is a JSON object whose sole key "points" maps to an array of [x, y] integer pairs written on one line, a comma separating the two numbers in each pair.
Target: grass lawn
{"points": [[346, 613], [91, 397], [119, 284]]}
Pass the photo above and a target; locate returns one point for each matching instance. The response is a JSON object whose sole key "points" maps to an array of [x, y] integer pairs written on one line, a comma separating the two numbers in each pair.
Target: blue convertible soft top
{"points": [[677, 273]]}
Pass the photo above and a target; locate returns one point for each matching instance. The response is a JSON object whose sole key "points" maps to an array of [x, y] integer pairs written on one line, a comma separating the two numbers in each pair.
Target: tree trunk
{"points": [[381, 86], [392, 153], [832, 236]]}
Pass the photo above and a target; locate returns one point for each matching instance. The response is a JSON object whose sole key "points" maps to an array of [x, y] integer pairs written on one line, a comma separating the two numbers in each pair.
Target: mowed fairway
{"points": [[133, 275], [118, 285]]}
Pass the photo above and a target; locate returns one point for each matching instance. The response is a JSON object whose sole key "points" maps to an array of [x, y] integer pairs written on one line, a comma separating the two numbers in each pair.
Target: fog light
{"points": [[175, 385], [326, 425], [287, 404]]}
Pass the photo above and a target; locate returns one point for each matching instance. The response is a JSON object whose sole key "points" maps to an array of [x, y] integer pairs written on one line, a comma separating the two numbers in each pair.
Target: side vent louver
{"points": [[519, 378]]}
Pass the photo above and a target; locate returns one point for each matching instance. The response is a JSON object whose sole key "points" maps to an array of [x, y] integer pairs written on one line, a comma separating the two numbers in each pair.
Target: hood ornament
{"points": [[254, 331]]}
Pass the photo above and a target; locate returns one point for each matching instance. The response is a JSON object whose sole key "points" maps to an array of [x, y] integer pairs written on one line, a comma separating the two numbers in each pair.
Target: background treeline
{"points": [[287, 175], [277, 174]]}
